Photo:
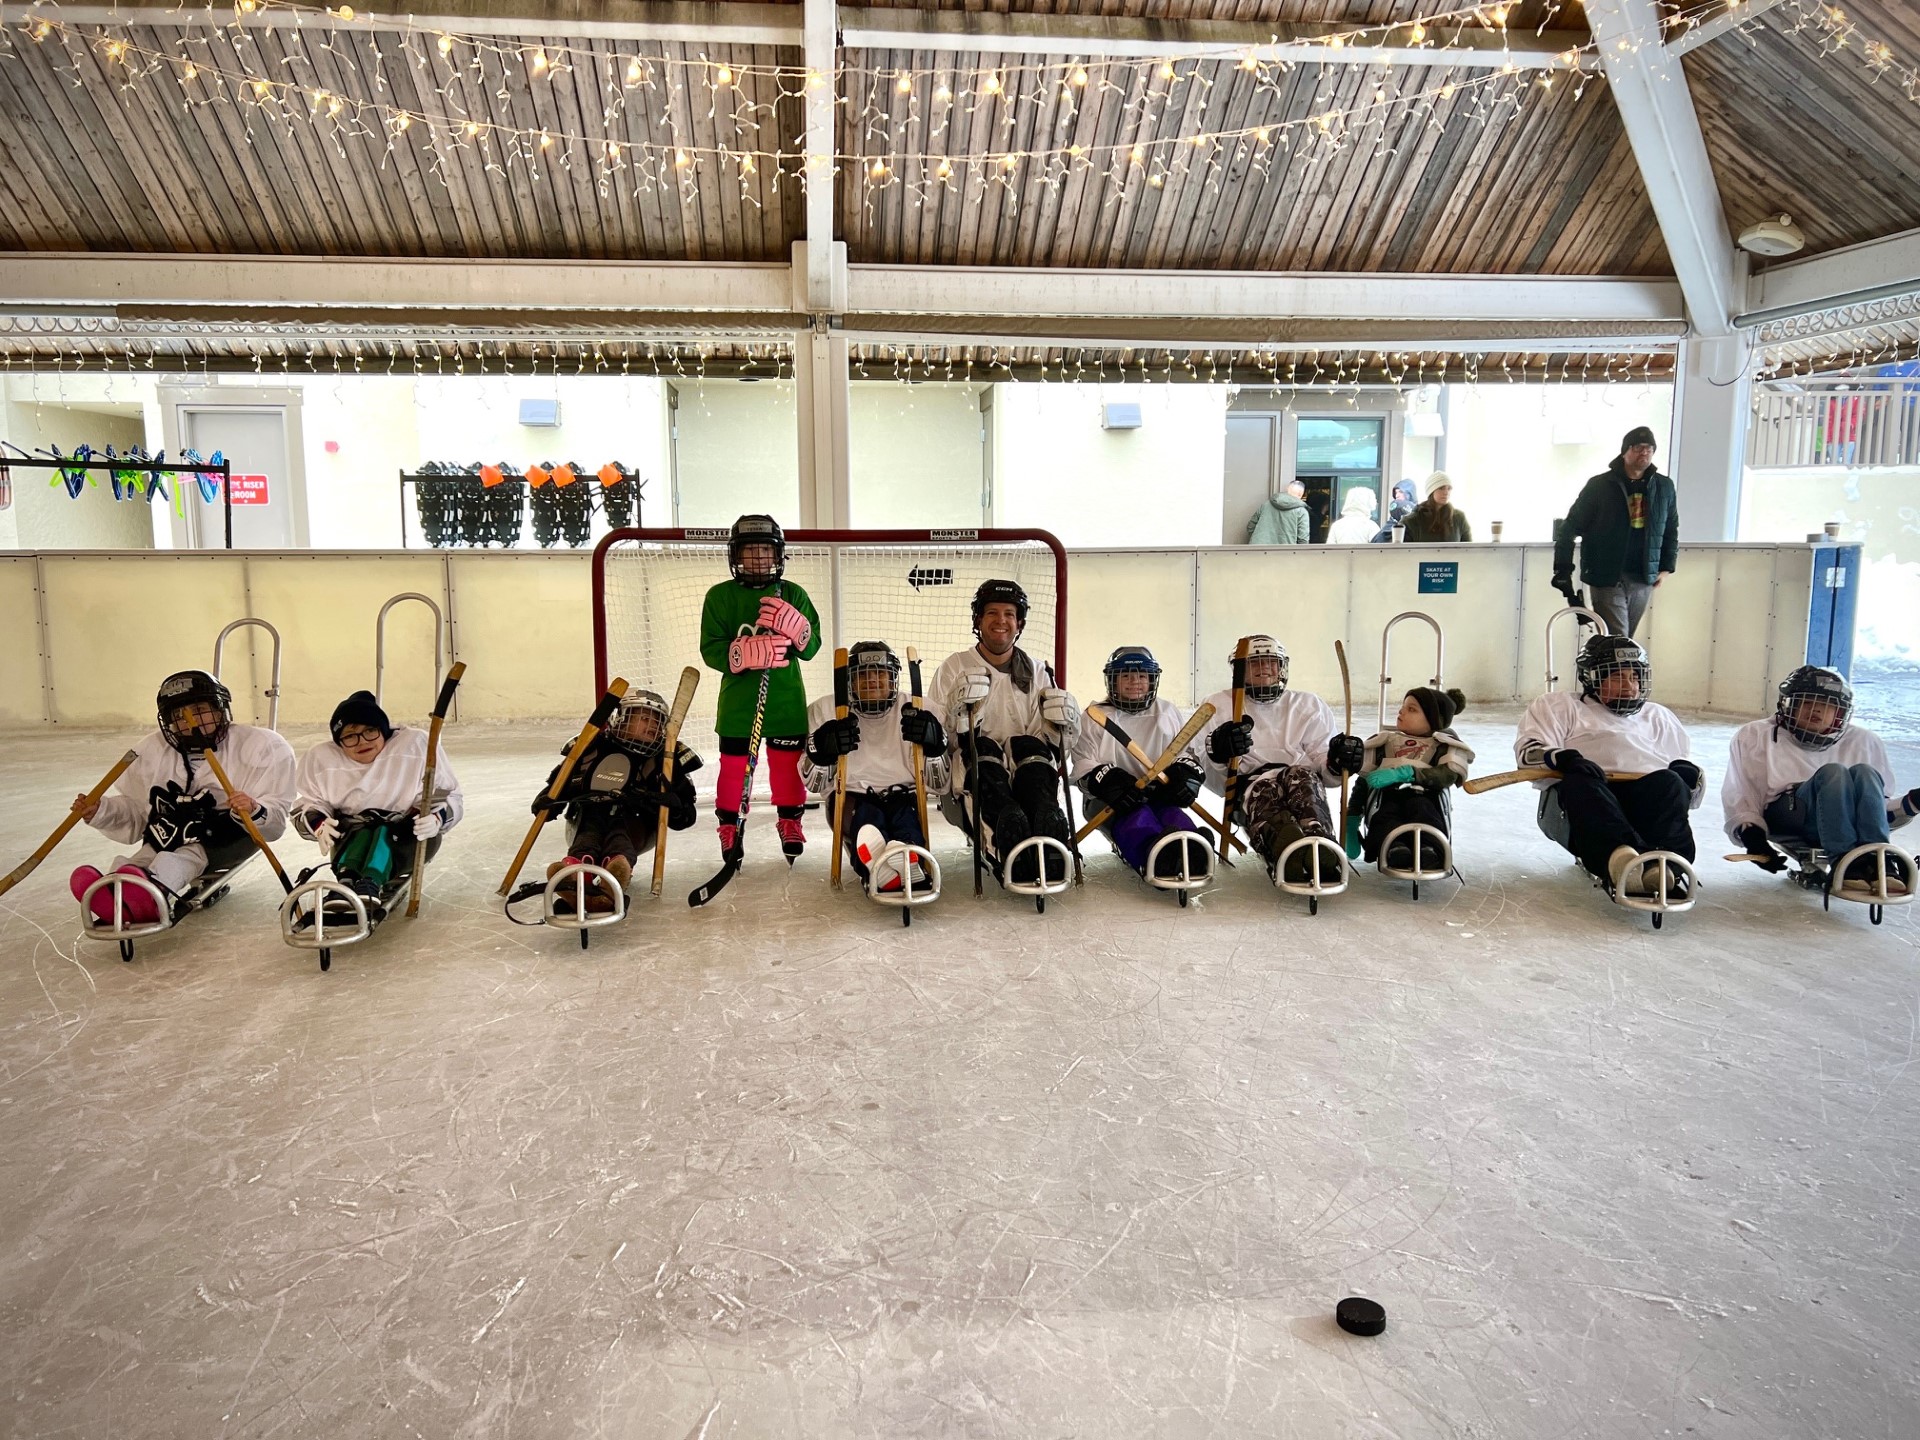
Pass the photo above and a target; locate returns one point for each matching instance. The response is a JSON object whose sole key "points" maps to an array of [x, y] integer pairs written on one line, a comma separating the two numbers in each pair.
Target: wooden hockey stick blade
{"points": [[440, 707], [32, 862], [1195, 724], [602, 712], [669, 747], [246, 821], [1483, 783]]}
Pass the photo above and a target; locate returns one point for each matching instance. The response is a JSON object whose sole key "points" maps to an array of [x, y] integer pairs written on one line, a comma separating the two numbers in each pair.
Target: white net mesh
{"points": [[918, 594]]}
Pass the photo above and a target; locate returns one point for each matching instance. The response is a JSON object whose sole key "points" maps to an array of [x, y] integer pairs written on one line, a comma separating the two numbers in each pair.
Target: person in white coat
{"points": [[877, 736], [1808, 773], [1290, 751], [360, 794], [1356, 523], [1106, 771], [169, 800], [1612, 725], [1019, 719]]}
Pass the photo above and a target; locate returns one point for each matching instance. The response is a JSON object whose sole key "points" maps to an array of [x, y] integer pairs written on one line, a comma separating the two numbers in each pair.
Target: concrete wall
{"points": [[916, 460], [42, 517], [738, 450]]}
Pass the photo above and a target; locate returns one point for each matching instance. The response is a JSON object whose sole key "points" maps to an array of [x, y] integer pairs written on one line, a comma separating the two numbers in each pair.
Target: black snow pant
{"points": [[1395, 805], [1593, 818], [1016, 805]]}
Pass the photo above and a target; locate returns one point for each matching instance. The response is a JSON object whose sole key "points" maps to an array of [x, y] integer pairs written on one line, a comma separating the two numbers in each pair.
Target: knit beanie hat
{"points": [[360, 708], [1439, 706], [1433, 482], [1638, 435]]}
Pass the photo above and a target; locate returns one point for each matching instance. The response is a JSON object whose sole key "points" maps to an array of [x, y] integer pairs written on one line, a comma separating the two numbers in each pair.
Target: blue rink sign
{"points": [[1439, 577]]}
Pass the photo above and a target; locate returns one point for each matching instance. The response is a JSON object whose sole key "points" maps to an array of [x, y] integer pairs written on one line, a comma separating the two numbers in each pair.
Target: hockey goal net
{"points": [[906, 587]]}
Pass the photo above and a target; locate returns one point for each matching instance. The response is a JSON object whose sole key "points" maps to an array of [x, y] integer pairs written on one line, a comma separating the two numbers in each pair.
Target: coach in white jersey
{"points": [[1106, 770], [877, 737], [1019, 716], [1611, 725], [1810, 774]]}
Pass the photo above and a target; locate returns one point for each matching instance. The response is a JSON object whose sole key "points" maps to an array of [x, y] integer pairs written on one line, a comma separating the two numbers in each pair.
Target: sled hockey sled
{"points": [[1039, 887], [1322, 856], [1812, 868], [920, 879], [203, 894], [1186, 879], [1667, 897]]}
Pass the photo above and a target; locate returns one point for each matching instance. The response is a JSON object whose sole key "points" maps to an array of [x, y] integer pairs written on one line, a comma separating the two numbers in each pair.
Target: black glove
{"points": [[1688, 772], [918, 727], [1564, 584], [1571, 763], [1437, 777], [543, 805], [1177, 786], [1231, 739], [1346, 754], [1754, 838], [834, 739], [1910, 802], [1114, 788]]}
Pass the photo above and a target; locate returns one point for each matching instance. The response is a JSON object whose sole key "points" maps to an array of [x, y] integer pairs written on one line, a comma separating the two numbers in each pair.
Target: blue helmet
{"points": [[1132, 660]]}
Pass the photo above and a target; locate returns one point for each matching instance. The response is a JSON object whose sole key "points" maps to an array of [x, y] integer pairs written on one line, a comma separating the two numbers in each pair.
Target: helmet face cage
{"points": [[866, 660], [1608, 655], [179, 694], [1000, 592], [756, 530], [1265, 647], [633, 706], [1132, 660], [1814, 682]]}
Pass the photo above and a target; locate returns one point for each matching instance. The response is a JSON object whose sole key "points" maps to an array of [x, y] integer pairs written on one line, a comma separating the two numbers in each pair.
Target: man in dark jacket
{"points": [[1628, 523]]}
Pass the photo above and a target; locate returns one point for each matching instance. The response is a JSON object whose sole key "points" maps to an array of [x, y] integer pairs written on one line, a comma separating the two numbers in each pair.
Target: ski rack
{"points": [[1317, 846], [582, 920], [380, 642], [1420, 834], [1041, 888], [1661, 903], [906, 897], [317, 938], [1186, 882], [273, 688]]}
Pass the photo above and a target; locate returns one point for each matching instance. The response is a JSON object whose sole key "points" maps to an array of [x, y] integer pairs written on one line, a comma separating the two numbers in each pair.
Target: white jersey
{"points": [[1006, 712], [1630, 744], [1152, 730], [1293, 730], [334, 782], [259, 762], [1766, 762], [884, 759]]}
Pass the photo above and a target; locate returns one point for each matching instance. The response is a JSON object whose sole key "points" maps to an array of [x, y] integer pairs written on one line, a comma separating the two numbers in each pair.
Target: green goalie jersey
{"points": [[731, 611]]}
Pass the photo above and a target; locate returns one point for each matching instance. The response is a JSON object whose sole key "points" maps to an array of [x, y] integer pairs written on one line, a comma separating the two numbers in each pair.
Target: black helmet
{"points": [[1132, 660], [757, 530], [1602, 656], [872, 655], [999, 592], [635, 702], [1814, 682], [185, 688]]}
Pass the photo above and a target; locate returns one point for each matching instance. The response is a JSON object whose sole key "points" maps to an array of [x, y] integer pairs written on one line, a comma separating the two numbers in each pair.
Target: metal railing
{"points": [[1831, 420]]}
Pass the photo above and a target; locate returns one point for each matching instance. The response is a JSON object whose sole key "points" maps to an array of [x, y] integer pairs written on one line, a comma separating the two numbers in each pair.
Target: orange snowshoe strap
{"points": [[536, 477], [563, 475]]}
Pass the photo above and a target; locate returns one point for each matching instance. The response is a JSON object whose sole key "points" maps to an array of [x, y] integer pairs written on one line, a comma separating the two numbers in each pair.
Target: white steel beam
{"points": [[1650, 90], [1875, 270], [821, 181], [1240, 295], [1094, 36], [1742, 12]]}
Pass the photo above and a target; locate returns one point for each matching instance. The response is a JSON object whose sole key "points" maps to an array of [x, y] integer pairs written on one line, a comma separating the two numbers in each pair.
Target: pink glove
{"points": [[757, 652], [781, 618]]}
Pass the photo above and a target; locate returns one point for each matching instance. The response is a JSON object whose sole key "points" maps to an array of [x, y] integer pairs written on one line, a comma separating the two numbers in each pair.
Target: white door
{"points": [[254, 442]]}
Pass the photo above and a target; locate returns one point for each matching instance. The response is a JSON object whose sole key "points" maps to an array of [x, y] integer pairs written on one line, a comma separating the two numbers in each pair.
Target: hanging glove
{"points": [[1688, 772], [1382, 776], [1437, 777], [1059, 710], [326, 835], [1346, 754], [426, 826], [1177, 786], [833, 739], [783, 619], [1115, 789], [1571, 763], [1754, 839], [917, 727], [757, 652], [1233, 738]]}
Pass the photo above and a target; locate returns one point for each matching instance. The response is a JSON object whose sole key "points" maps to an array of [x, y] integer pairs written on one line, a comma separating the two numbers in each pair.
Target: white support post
{"points": [[820, 285], [821, 400], [1712, 410], [821, 47]]}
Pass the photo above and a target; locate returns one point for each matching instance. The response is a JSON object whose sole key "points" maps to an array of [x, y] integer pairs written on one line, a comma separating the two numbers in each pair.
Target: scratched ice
{"points": [[783, 1168]]}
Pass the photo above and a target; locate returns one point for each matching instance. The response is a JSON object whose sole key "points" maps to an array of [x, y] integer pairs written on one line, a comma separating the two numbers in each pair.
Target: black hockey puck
{"points": [[1360, 1317]]}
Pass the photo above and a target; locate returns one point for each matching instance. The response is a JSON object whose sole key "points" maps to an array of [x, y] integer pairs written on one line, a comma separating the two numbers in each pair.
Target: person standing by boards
{"points": [[1627, 521]]}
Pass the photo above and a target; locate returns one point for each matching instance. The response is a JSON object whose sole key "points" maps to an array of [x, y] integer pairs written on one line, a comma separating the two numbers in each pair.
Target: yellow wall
{"points": [[34, 417]]}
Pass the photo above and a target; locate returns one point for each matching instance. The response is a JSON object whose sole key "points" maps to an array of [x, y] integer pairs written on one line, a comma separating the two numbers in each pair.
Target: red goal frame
{"points": [[830, 537]]}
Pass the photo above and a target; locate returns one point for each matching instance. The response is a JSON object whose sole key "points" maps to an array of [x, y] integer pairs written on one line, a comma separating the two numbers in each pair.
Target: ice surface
{"points": [[784, 1168]]}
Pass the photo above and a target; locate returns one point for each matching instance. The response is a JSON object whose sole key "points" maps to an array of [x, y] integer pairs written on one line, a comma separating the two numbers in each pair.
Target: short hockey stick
{"points": [[32, 862], [440, 708], [1230, 792], [669, 747], [1066, 791], [1114, 728], [246, 821], [919, 754], [840, 685], [1195, 724], [596, 722], [1482, 783], [973, 787]]}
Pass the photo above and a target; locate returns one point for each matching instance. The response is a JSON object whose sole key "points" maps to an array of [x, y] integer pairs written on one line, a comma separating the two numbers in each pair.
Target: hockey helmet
{"points": [[1607, 655], [1132, 660], [179, 693], [1265, 647], [1000, 592], [1814, 682], [630, 727], [872, 657], [756, 530]]}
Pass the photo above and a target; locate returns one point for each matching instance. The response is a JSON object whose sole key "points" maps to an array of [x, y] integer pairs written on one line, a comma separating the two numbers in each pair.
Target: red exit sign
{"points": [[247, 489]]}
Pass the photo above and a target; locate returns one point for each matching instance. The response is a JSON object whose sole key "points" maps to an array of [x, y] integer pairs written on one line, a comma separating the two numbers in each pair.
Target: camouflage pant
{"points": [[1279, 805]]}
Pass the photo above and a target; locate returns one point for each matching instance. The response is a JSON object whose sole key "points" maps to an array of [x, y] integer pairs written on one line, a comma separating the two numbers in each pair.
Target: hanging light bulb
{"points": [[540, 62], [904, 84], [634, 71], [723, 76], [445, 44]]}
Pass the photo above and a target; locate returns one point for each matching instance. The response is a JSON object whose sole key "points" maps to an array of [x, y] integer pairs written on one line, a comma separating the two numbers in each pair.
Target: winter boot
{"points": [[563, 897], [1168, 865], [621, 869]]}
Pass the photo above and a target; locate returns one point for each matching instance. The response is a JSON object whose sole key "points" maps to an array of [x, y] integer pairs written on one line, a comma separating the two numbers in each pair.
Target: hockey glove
{"points": [[1564, 584], [1385, 775], [975, 686], [1688, 772], [1114, 788], [834, 739], [757, 652], [1437, 777], [1177, 786], [306, 822], [917, 727], [782, 619], [543, 805], [1229, 740], [426, 826], [1058, 709], [1754, 839], [1346, 754], [1571, 763], [1908, 805]]}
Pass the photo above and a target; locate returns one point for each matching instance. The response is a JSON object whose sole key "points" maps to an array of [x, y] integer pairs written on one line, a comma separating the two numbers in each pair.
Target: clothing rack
{"points": [[223, 471]]}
